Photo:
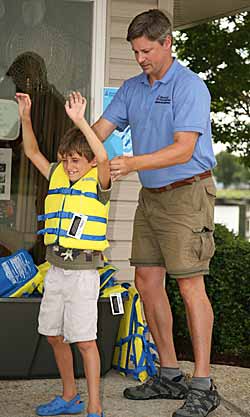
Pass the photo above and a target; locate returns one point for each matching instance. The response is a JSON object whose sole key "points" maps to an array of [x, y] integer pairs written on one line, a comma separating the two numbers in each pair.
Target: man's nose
{"points": [[140, 58]]}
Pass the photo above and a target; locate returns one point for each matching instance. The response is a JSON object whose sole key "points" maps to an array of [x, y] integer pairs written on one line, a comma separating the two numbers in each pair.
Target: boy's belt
{"points": [[72, 254], [181, 183]]}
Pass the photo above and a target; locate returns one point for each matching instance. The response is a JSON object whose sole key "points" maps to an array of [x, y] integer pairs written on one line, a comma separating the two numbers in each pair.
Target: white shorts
{"points": [[69, 304]]}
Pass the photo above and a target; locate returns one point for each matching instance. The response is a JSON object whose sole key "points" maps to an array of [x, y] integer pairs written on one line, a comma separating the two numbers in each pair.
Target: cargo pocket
{"points": [[206, 247], [211, 195], [208, 220], [211, 191]]}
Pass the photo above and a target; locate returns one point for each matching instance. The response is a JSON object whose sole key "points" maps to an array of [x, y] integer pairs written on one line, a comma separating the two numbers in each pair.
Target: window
{"points": [[46, 50]]}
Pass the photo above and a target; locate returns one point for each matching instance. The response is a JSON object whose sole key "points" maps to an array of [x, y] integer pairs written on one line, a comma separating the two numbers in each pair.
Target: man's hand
{"points": [[75, 107], [120, 166], [24, 105]]}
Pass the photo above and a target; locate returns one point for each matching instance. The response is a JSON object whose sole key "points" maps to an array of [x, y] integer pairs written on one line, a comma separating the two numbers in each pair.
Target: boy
{"points": [[76, 213]]}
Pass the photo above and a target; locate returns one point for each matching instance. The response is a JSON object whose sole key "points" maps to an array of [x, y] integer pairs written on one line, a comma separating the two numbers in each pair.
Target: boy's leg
{"points": [[51, 319], [80, 326], [91, 361], [64, 360]]}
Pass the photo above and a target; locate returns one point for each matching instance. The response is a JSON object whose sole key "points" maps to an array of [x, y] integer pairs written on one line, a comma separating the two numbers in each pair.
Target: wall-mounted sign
{"points": [[9, 120], [119, 143], [5, 173]]}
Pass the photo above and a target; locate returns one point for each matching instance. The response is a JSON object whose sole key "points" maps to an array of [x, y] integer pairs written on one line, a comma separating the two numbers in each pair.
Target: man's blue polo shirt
{"points": [[180, 101]]}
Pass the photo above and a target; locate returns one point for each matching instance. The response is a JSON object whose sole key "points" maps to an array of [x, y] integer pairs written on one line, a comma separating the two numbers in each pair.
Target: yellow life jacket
{"points": [[63, 202], [132, 354], [107, 273]]}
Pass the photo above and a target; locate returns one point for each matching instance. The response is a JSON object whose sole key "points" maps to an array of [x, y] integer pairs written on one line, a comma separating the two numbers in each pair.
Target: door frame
{"points": [[98, 58]]}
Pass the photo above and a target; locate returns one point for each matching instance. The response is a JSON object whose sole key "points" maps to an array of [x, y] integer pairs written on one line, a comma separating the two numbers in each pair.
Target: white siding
{"points": [[123, 205], [120, 65]]}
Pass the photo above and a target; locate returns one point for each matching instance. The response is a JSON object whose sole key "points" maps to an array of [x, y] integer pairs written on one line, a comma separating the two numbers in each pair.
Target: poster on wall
{"points": [[5, 173], [118, 143], [9, 120]]}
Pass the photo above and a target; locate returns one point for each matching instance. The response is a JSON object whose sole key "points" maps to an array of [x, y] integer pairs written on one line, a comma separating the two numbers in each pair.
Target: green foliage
{"points": [[228, 287], [219, 51], [233, 194], [230, 171]]}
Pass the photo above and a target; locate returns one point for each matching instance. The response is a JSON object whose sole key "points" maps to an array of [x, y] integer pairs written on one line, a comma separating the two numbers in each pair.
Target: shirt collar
{"points": [[166, 77]]}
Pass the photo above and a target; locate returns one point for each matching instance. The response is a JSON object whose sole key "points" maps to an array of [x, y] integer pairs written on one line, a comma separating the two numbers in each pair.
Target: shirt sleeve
{"points": [[52, 168], [104, 195], [191, 106], [116, 112]]}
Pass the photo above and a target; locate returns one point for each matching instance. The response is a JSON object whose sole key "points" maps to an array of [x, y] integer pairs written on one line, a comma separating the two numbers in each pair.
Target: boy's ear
{"points": [[93, 162]]}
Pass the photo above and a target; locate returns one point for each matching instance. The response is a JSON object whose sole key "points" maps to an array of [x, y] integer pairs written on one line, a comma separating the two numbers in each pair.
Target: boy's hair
{"points": [[153, 24], [75, 141]]}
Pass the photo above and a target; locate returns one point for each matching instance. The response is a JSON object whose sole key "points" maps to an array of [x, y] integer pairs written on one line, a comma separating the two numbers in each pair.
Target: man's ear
{"points": [[93, 162], [168, 42]]}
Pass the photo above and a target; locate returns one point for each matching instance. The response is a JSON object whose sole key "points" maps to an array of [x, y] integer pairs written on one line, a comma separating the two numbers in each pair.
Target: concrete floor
{"points": [[19, 398]]}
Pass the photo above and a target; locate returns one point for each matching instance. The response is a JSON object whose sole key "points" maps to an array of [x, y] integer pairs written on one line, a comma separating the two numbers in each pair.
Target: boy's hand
{"points": [[24, 105], [75, 107]]}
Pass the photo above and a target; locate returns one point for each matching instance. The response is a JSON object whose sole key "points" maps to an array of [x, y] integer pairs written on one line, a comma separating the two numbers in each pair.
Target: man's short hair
{"points": [[153, 24], [74, 141]]}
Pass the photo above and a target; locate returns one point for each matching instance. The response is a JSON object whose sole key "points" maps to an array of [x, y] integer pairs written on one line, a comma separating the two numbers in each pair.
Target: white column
{"points": [[98, 57], [168, 7]]}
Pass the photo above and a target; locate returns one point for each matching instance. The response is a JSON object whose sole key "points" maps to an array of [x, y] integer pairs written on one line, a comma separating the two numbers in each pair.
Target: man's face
{"points": [[153, 58], [75, 166]]}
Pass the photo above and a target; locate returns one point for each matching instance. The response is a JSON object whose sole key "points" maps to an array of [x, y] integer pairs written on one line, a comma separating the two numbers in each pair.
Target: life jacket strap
{"points": [[71, 191], [63, 233], [146, 360], [68, 215]]}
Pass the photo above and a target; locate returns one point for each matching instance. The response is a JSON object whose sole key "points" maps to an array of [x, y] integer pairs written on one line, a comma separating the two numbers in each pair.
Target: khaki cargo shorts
{"points": [[175, 228], [69, 304]]}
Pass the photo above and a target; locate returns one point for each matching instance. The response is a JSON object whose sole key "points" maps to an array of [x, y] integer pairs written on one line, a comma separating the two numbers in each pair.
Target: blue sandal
{"points": [[60, 406]]}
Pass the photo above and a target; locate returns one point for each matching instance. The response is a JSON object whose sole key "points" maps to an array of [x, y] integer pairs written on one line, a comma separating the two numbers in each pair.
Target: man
{"points": [[168, 109]]}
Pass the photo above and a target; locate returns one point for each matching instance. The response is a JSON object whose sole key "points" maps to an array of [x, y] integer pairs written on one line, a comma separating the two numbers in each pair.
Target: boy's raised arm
{"points": [[75, 108], [30, 144]]}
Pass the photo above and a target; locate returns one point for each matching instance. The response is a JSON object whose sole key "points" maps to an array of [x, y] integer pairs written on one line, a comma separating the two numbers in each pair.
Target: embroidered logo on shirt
{"points": [[162, 100]]}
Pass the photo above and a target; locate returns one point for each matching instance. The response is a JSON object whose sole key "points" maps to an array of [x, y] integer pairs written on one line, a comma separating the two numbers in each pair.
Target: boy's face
{"points": [[75, 166]]}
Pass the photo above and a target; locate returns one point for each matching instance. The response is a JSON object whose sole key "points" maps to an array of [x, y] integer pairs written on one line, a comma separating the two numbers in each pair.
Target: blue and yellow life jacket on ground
{"points": [[133, 352], [19, 276], [64, 201]]}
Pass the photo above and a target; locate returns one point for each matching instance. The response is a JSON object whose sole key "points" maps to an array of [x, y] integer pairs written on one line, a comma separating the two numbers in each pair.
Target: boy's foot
{"points": [[199, 403], [60, 406], [159, 387]]}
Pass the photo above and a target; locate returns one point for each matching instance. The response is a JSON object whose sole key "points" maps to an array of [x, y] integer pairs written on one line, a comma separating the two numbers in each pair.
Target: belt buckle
{"points": [[68, 254]]}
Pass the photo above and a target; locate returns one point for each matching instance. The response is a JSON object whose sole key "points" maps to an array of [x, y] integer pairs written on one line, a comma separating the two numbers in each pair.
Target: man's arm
{"points": [[30, 144], [179, 152], [75, 108]]}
